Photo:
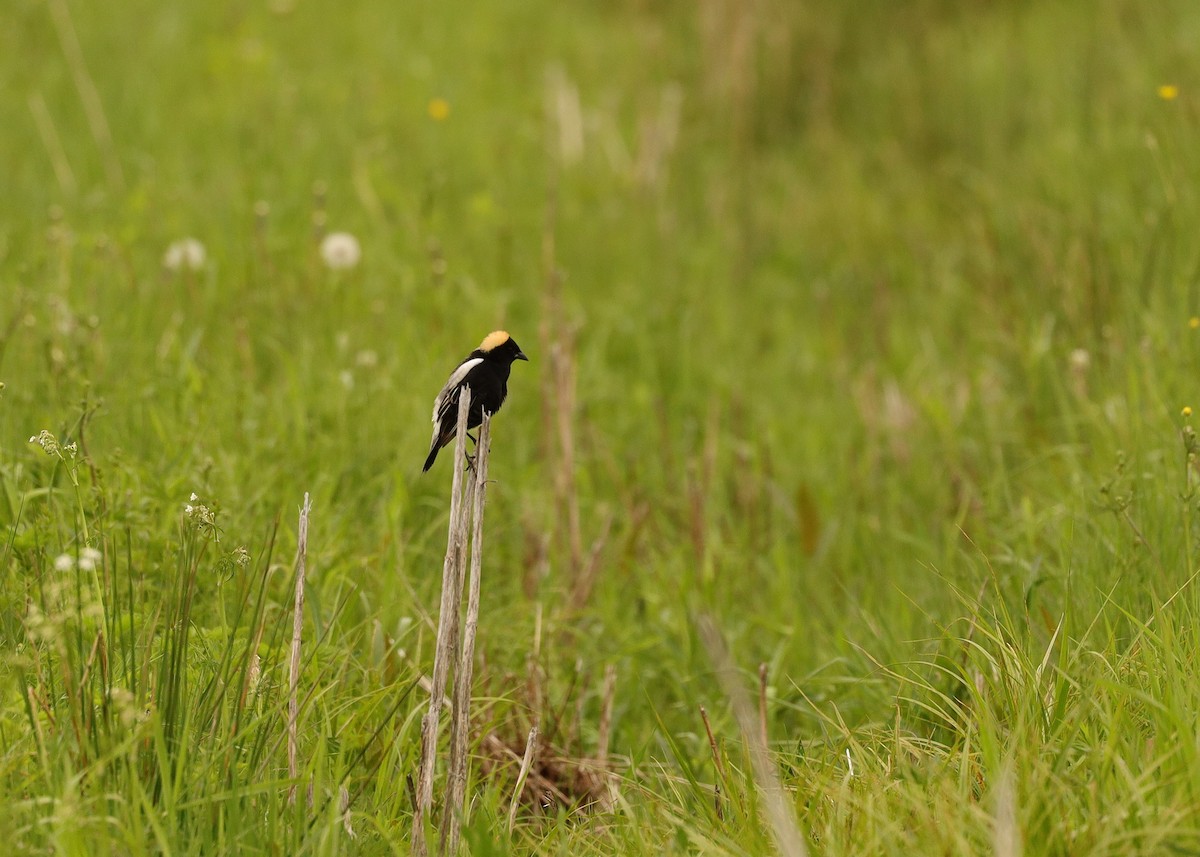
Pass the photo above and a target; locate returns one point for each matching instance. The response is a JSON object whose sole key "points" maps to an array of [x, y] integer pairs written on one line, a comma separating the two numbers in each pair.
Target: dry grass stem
{"points": [[762, 704], [562, 364], [447, 631], [718, 765], [557, 337], [297, 630], [585, 581], [533, 676], [604, 737], [460, 715], [344, 808], [1006, 833], [52, 143], [606, 707], [565, 115], [779, 814], [657, 136], [551, 315], [526, 764], [580, 681], [93, 108]]}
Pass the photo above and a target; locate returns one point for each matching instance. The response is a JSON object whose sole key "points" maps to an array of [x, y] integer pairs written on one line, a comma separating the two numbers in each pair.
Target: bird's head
{"points": [[499, 346]]}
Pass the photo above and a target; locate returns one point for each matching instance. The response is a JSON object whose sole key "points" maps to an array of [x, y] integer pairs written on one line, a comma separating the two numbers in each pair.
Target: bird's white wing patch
{"points": [[444, 397]]}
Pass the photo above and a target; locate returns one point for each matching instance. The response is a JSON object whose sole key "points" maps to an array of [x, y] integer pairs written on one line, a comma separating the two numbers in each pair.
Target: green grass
{"points": [[879, 318]]}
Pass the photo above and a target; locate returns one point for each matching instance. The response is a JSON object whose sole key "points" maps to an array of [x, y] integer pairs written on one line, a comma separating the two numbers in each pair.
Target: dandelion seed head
{"points": [[186, 254], [340, 251], [64, 562]]}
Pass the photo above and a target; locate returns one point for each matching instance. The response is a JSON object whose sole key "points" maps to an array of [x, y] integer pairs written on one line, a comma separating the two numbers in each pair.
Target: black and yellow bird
{"points": [[485, 371]]}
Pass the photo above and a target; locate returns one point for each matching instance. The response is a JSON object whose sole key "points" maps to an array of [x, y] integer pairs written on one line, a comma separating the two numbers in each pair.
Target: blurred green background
{"points": [[865, 328]]}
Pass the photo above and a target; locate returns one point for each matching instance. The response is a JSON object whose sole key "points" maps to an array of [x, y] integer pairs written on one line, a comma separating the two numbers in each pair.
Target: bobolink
{"points": [[485, 371]]}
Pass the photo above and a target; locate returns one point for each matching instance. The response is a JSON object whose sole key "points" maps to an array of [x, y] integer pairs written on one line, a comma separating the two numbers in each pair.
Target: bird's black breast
{"points": [[489, 388]]}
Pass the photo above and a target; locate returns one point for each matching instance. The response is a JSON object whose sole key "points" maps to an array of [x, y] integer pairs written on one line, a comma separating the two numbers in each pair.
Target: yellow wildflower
{"points": [[1168, 92], [439, 109]]}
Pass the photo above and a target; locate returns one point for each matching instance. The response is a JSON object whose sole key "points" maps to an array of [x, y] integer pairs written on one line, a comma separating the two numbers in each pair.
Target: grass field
{"points": [[866, 331]]}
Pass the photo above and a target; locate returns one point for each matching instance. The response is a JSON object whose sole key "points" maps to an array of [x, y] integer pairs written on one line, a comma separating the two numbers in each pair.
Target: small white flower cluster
{"points": [[89, 558], [186, 254], [64, 605], [40, 626], [340, 251], [200, 513], [229, 564], [126, 707], [50, 445]]}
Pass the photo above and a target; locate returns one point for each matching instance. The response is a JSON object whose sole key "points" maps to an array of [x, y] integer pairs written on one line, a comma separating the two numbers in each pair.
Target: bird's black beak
{"points": [[521, 356]]}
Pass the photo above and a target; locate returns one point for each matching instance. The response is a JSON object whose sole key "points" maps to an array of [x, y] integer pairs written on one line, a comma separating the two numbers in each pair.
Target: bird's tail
{"points": [[432, 456]]}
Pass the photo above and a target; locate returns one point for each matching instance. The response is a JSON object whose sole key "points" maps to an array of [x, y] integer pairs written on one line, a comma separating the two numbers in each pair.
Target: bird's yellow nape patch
{"points": [[494, 340]]}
